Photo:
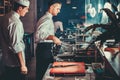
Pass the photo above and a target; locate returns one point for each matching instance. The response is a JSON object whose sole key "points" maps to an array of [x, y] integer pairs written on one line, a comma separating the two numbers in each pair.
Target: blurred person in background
{"points": [[58, 26]]}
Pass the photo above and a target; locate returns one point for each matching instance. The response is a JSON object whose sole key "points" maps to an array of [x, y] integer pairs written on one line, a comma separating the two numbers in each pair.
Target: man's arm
{"points": [[22, 63], [18, 45], [55, 39]]}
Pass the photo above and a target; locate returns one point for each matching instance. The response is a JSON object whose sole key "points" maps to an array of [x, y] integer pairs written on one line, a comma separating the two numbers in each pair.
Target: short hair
{"points": [[51, 2], [16, 6]]}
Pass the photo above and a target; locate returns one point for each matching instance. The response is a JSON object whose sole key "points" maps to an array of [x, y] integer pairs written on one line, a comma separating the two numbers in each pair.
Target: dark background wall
{"points": [[30, 18], [67, 12]]}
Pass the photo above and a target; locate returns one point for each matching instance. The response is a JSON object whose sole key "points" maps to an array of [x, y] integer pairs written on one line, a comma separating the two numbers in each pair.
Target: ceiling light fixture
{"points": [[68, 1], [74, 7]]}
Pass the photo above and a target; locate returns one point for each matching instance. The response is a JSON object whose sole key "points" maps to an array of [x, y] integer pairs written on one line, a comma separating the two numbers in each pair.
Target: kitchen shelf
{"points": [[5, 7]]}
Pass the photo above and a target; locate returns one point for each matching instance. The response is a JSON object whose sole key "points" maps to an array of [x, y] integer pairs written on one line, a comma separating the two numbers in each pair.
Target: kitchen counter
{"points": [[111, 58]]}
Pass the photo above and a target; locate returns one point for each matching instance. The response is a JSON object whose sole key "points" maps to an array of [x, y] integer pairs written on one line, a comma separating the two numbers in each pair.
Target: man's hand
{"points": [[57, 41], [24, 70]]}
